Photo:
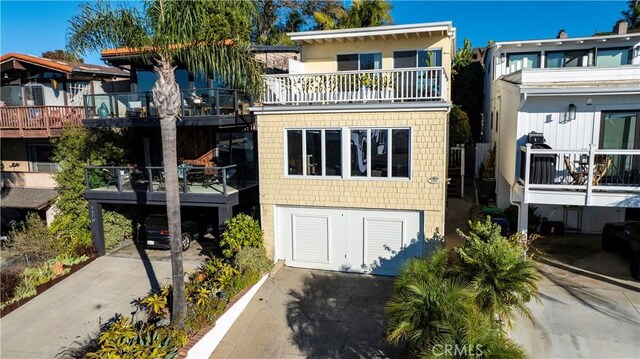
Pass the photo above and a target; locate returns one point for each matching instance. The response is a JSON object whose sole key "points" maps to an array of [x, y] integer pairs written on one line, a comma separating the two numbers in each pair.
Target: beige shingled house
{"points": [[353, 147]]}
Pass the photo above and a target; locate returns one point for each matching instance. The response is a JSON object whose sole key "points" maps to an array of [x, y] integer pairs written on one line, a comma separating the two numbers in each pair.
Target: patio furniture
{"points": [[110, 178], [578, 178]]}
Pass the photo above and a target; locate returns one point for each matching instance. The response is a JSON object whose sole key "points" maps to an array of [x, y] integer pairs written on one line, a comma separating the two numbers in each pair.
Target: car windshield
{"points": [[156, 221]]}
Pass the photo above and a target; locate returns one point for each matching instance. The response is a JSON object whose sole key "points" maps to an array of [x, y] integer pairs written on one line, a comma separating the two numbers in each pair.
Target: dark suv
{"points": [[624, 236], [154, 232]]}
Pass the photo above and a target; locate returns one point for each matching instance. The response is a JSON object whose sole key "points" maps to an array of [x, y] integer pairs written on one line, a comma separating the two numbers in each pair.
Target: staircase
{"points": [[455, 172]]}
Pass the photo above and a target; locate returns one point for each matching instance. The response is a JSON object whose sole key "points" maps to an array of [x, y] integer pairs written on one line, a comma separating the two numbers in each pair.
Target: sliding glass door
{"points": [[621, 131]]}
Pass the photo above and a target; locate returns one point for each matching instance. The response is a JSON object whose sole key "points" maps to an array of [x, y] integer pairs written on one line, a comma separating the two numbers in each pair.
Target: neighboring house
{"points": [[353, 147], [216, 144], [38, 97], [582, 95]]}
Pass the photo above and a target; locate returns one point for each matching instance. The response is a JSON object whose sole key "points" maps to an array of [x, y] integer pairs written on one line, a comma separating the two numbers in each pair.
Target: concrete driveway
{"points": [[590, 306], [309, 313], [72, 310]]}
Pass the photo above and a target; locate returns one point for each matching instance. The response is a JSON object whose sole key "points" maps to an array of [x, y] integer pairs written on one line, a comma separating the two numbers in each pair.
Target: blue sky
{"points": [[33, 27]]}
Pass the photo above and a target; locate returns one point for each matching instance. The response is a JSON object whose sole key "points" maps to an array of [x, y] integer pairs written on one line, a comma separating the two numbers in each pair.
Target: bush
{"points": [[240, 231], [32, 240], [117, 228], [252, 262], [123, 338], [10, 280]]}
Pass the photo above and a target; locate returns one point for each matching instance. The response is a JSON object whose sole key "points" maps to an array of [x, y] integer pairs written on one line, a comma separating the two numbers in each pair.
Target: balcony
{"points": [[368, 86], [37, 121], [593, 177], [199, 185], [212, 106]]}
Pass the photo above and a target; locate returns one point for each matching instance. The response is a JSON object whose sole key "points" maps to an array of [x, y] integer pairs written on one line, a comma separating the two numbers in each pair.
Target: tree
{"points": [[202, 36], [504, 279], [62, 55], [632, 14], [459, 130], [361, 13], [467, 87]]}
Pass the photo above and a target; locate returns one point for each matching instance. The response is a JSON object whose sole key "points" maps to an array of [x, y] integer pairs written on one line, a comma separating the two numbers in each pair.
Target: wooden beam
{"points": [[384, 37], [360, 38], [395, 36], [372, 38], [340, 40], [406, 35]]}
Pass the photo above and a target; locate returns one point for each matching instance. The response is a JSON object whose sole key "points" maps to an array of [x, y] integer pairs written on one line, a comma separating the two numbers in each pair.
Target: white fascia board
{"points": [[372, 31], [351, 108], [537, 91], [570, 40]]}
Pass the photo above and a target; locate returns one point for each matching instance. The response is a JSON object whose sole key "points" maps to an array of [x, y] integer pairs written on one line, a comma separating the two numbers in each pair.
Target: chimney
{"points": [[620, 27], [561, 34]]}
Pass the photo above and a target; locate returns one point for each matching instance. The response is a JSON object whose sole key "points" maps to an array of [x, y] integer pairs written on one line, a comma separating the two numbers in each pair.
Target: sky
{"points": [[33, 27]]}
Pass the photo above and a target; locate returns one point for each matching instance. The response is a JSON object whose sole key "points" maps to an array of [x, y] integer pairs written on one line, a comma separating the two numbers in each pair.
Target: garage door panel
{"points": [[383, 240], [311, 238]]}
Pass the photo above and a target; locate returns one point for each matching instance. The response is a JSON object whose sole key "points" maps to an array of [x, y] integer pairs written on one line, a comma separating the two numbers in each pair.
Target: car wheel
{"points": [[634, 266], [607, 241], [186, 241]]}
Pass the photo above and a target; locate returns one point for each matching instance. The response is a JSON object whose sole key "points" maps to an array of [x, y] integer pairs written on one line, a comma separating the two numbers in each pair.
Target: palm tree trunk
{"points": [[166, 97]]}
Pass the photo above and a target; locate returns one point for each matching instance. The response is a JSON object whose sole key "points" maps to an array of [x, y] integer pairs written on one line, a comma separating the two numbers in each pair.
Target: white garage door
{"points": [[353, 240]]}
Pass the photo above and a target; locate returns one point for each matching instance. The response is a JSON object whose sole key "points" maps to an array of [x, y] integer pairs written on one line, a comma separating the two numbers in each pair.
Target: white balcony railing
{"points": [[413, 84], [580, 171]]}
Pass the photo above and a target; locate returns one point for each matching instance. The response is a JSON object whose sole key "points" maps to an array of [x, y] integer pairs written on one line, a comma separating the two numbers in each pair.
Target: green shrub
{"points": [[10, 279], [125, 339], [32, 240], [240, 231], [71, 236], [504, 278], [252, 261], [117, 228]]}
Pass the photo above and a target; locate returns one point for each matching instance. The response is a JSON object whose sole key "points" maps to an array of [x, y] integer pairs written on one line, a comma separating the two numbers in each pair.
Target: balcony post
{"points": [[224, 181], [527, 173], [150, 177], [118, 179], [235, 101], [97, 229], [86, 178], [592, 149], [217, 94]]}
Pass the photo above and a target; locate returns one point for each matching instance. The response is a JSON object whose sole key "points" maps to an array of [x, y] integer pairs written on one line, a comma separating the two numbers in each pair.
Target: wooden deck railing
{"points": [[37, 121]]}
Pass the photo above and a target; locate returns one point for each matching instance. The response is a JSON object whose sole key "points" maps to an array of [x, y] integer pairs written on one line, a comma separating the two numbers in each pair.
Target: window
{"points": [[322, 152], [375, 144], [33, 95], [521, 61], [352, 62], [40, 157], [294, 152], [417, 58], [573, 58], [613, 57]]}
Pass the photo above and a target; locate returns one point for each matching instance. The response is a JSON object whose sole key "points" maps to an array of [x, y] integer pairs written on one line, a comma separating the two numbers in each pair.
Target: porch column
{"points": [[224, 213], [97, 230], [523, 218]]}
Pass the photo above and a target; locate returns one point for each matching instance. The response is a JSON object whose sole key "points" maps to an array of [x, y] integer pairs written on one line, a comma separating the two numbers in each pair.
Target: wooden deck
{"points": [[37, 121]]}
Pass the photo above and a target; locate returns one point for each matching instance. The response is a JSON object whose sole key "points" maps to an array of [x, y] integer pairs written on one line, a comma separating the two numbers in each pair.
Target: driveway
{"points": [[310, 313], [72, 310], [590, 306]]}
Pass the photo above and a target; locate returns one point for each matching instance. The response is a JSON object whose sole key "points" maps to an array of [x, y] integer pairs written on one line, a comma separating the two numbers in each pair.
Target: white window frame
{"points": [[390, 130], [346, 153], [304, 152], [393, 57], [359, 54]]}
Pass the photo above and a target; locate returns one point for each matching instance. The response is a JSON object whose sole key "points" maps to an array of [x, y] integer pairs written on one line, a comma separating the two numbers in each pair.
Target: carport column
{"points": [[224, 213], [523, 217], [97, 230]]}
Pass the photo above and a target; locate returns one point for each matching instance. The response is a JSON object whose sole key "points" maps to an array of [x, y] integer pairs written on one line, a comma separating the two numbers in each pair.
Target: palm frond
{"points": [[101, 24]]}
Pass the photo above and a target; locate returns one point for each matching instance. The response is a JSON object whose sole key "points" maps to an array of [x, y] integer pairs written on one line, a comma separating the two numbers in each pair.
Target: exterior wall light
{"points": [[572, 112]]}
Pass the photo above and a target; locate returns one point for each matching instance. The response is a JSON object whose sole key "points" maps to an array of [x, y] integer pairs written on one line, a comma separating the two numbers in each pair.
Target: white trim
{"points": [[444, 26], [575, 40], [427, 106], [205, 347]]}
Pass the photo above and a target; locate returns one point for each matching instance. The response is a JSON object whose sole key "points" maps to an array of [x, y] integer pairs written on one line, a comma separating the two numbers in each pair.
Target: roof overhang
{"points": [[567, 41], [31, 198], [586, 90], [375, 33]]}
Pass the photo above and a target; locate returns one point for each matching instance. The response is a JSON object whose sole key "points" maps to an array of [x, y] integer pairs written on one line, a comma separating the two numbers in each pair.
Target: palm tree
{"points": [[361, 13], [504, 279], [194, 34]]}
